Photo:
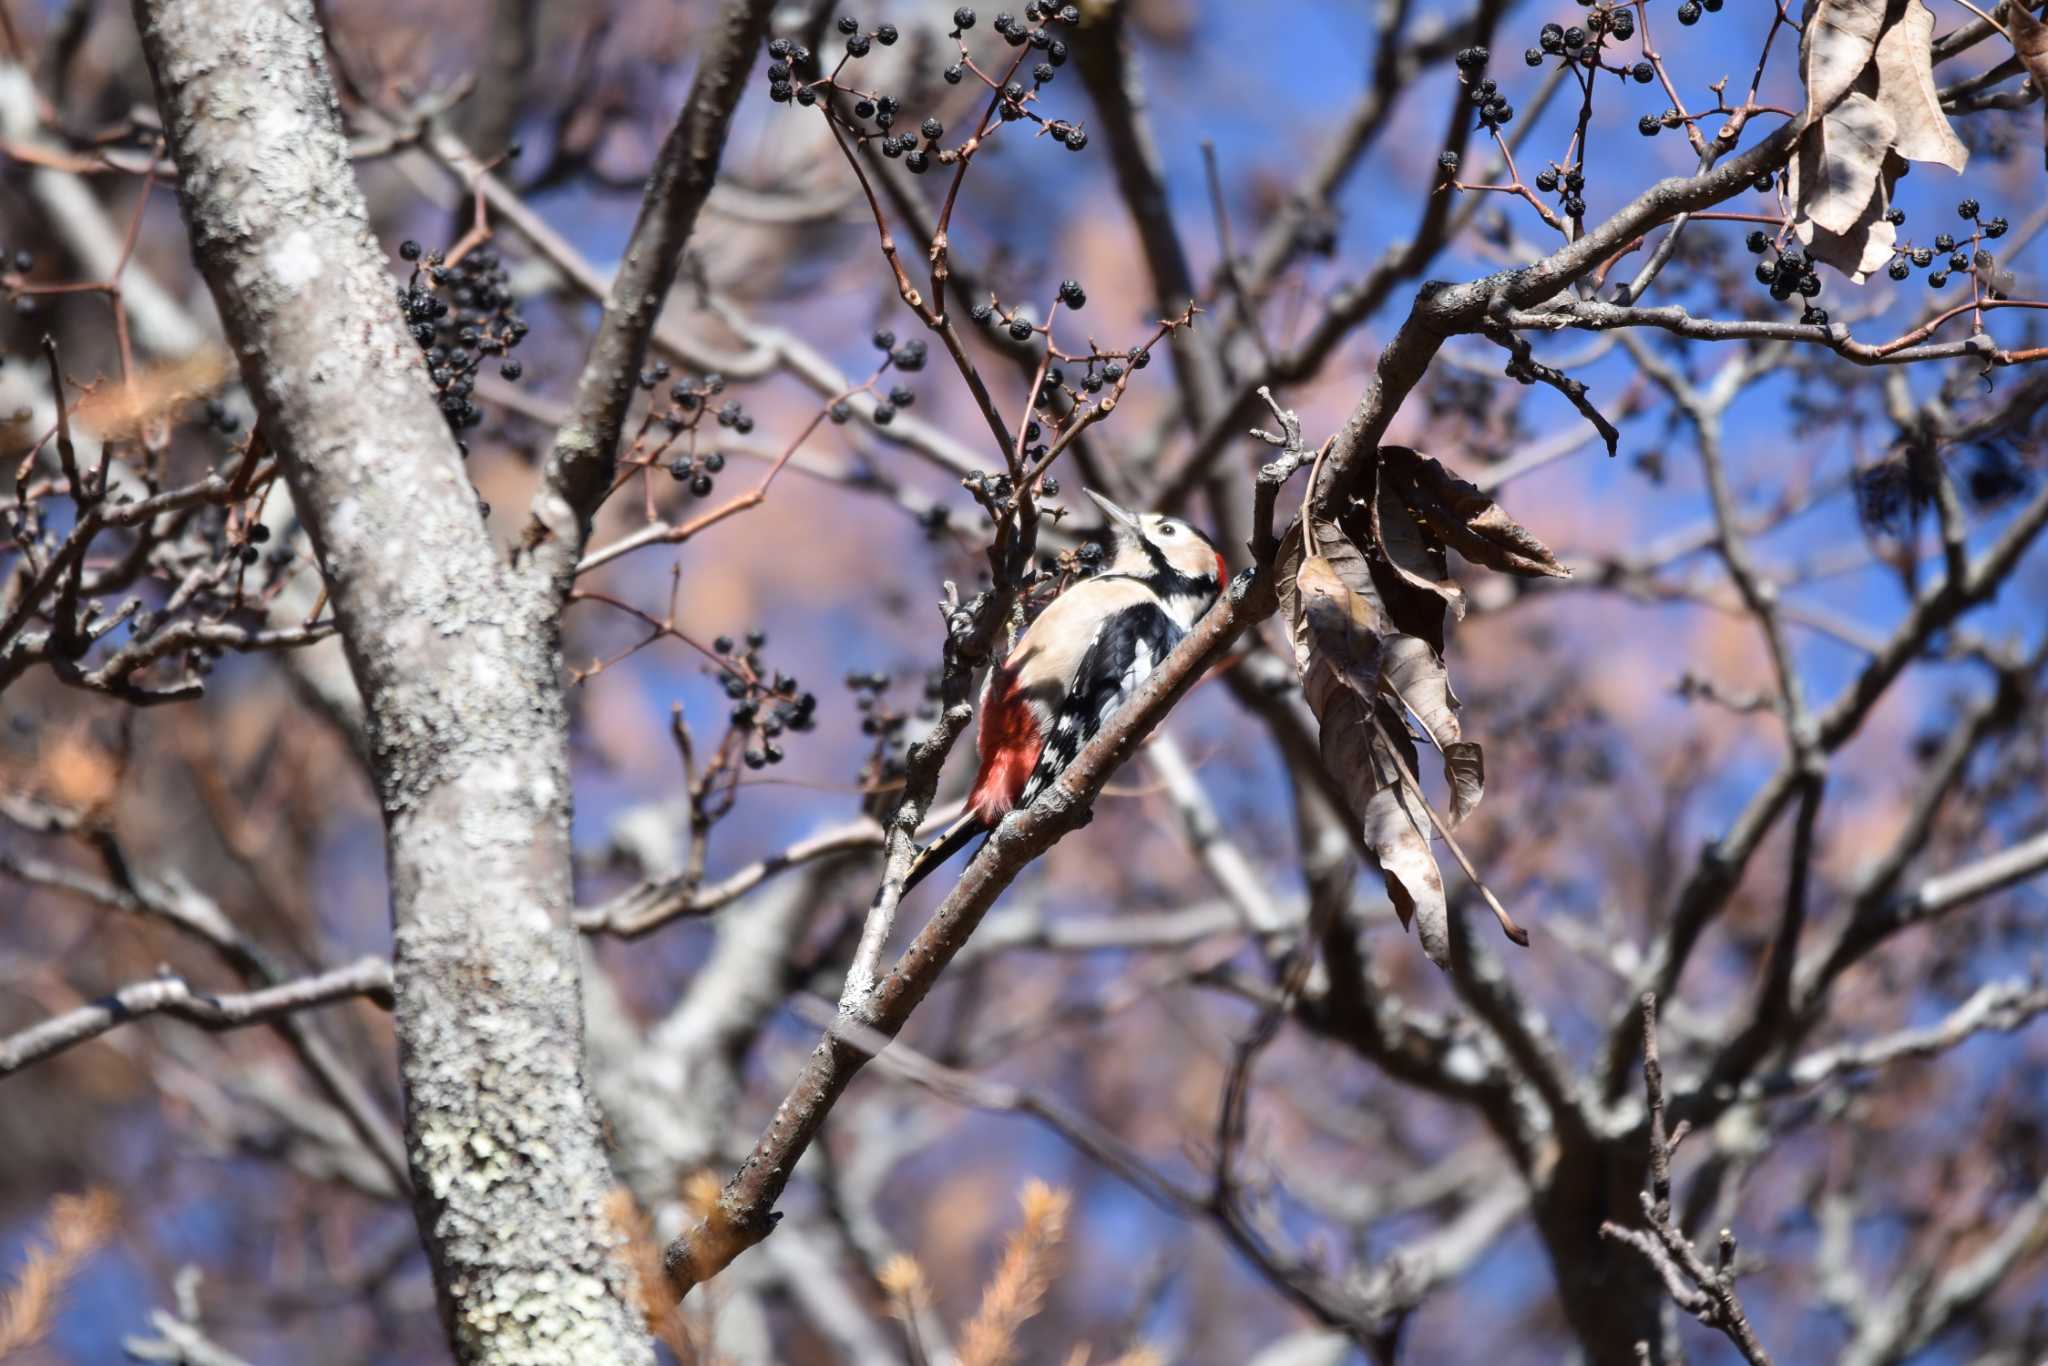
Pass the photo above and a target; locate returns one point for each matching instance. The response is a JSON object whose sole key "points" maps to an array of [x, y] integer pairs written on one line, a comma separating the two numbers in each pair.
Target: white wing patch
{"points": [[1135, 673]]}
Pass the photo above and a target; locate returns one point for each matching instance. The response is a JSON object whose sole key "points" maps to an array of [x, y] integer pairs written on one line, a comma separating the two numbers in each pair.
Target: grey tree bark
{"points": [[457, 659]]}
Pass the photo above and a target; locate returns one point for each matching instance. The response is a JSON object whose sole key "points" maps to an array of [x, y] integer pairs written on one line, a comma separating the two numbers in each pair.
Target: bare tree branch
{"points": [[579, 472], [370, 977], [1705, 1292]]}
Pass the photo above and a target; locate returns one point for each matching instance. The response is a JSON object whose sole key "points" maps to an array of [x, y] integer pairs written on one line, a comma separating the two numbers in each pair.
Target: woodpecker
{"points": [[1075, 665]]}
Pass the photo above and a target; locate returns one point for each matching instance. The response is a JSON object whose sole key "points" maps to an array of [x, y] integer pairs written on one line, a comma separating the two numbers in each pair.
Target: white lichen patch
{"points": [[295, 261]]}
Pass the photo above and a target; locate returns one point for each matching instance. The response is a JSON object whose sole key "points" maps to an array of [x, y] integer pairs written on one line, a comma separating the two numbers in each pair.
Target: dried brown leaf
{"points": [[1399, 838], [1871, 107], [1465, 518], [1343, 556], [1417, 681], [1838, 41], [1465, 771], [1865, 249], [1416, 677], [1835, 175], [1339, 634], [1422, 589], [1905, 87], [1341, 630]]}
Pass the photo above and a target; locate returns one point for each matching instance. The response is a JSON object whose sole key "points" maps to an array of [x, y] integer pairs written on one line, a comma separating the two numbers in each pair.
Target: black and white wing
{"points": [[1127, 647]]}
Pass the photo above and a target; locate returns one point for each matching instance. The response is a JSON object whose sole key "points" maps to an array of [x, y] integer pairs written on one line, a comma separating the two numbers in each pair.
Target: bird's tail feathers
{"points": [[956, 838]]}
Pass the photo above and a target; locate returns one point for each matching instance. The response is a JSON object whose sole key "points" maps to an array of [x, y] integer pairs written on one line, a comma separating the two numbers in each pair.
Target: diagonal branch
{"points": [[745, 1213], [579, 470]]}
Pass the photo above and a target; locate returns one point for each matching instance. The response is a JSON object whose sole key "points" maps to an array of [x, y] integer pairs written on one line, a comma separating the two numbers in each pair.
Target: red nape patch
{"points": [[1222, 572], [1009, 743]]}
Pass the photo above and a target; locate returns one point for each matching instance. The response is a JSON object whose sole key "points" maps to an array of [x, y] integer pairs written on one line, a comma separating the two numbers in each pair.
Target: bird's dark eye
{"points": [[1166, 528]]}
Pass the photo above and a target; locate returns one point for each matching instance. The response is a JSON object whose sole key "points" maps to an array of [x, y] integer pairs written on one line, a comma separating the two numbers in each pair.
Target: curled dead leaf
{"points": [[1871, 107], [1414, 883], [1342, 624], [1365, 602], [1465, 771], [1417, 682], [1905, 87], [1465, 518], [1835, 175], [1837, 41], [1422, 590], [1338, 632]]}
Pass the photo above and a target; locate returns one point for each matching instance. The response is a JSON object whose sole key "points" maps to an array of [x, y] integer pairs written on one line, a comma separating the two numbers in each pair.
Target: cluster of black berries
{"points": [[994, 491], [1788, 273], [1494, 109], [910, 356], [1689, 11], [460, 315], [1100, 372], [884, 766], [14, 265], [917, 159], [1582, 44], [764, 704], [1017, 34], [1110, 370], [870, 699], [785, 56], [1103, 367], [1020, 329], [1574, 183], [697, 471], [249, 549], [990, 490], [883, 109], [689, 402], [1955, 256], [859, 44]]}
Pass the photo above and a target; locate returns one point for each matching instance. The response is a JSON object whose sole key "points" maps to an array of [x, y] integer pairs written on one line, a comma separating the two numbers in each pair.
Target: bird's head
{"points": [[1151, 545]]}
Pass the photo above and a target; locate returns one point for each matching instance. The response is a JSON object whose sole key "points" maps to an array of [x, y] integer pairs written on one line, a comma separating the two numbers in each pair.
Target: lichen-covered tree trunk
{"points": [[456, 656]]}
